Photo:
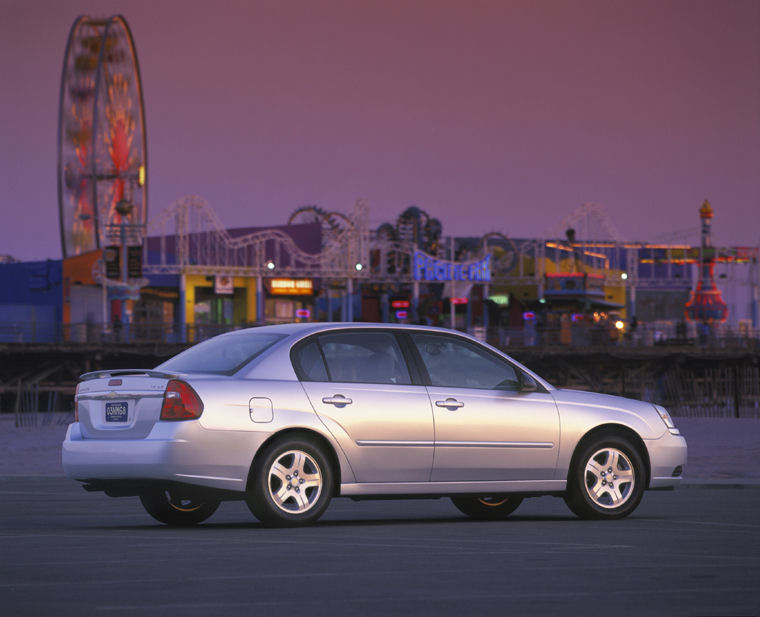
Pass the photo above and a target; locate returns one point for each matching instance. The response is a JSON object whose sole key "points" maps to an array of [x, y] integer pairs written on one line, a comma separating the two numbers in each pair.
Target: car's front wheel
{"points": [[177, 508], [487, 508], [291, 484], [607, 480]]}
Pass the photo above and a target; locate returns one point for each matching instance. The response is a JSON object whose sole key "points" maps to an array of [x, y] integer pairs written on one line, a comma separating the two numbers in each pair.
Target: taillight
{"points": [[76, 404], [181, 402]]}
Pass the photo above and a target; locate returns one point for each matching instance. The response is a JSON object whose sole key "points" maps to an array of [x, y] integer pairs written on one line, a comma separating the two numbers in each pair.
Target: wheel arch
{"points": [[305, 434], [614, 430]]}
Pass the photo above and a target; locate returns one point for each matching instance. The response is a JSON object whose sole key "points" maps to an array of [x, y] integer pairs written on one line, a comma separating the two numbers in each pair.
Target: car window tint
{"points": [[459, 363], [364, 357], [225, 354], [309, 363]]}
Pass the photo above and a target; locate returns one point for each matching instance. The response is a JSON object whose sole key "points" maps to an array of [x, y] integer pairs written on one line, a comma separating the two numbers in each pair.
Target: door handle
{"points": [[450, 403], [338, 400]]}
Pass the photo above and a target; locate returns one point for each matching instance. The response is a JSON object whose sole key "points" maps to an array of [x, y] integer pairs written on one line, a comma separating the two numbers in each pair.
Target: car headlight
{"points": [[667, 419]]}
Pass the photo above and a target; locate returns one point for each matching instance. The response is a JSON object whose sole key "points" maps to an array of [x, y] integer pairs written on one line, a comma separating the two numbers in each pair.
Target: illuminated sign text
{"points": [[427, 268]]}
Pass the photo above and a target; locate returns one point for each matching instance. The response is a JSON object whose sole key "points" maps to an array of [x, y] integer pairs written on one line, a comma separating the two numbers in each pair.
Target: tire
{"points": [[487, 508], [291, 484], [591, 494], [177, 507]]}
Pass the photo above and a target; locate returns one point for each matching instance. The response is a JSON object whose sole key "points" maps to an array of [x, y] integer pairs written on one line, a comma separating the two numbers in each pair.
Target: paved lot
{"points": [[690, 552]]}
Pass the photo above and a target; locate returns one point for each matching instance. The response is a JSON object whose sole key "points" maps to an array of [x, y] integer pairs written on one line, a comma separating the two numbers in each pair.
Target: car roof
{"points": [[303, 329]]}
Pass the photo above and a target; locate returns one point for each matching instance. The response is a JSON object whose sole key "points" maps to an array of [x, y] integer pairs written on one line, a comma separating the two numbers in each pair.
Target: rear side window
{"points": [[309, 363], [223, 355], [352, 357]]}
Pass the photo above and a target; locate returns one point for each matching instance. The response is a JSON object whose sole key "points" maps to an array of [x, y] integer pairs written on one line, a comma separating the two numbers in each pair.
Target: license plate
{"points": [[116, 412]]}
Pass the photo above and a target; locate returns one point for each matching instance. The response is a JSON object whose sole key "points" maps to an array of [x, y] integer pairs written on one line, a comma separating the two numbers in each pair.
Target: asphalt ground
{"points": [[689, 552], [694, 551]]}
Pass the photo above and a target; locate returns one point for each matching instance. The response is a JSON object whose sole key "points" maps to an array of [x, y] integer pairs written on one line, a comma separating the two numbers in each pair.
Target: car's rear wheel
{"points": [[291, 484], [488, 508], [177, 508], [607, 480]]}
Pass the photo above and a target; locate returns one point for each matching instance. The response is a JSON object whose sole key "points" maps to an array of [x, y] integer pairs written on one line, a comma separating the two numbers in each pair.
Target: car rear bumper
{"points": [[667, 459], [173, 452]]}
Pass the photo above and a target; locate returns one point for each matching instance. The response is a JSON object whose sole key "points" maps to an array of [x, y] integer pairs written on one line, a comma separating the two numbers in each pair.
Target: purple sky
{"points": [[490, 115]]}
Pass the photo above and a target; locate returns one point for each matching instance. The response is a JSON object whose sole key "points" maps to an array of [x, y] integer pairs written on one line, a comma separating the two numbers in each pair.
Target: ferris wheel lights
{"points": [[101, 134]]}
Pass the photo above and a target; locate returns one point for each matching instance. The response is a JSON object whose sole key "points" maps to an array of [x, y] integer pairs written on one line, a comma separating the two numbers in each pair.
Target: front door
{"points": [[486, 428]]}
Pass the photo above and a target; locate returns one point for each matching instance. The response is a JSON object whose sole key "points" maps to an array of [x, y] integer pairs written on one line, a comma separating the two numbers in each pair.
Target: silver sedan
{"points": [[287, 417]]}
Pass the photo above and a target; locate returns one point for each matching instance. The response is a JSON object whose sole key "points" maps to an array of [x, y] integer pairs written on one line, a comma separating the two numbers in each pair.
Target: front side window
{"points": [[459, 363], [352, 357]]}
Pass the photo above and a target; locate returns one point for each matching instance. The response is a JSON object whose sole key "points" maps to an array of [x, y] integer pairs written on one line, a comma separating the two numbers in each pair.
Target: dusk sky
{"points": [[496, 115]]}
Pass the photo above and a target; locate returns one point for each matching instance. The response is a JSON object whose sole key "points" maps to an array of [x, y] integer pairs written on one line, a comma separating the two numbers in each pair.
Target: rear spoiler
{"points": [[127, 371]]}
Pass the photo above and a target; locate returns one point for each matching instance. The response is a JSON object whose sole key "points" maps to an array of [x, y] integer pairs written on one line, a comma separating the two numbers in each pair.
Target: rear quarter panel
{"points": [[232, 404]]}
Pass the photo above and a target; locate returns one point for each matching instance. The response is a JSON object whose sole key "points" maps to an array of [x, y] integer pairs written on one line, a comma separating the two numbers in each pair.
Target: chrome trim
{"points": [[395, 444], [451, 488], [120, 395], [460, 444], [450, 403], [194, 477], [495, 444], [338, 400]]}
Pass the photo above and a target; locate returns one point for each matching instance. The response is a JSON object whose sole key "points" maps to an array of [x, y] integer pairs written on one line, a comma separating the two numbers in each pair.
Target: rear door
{"points": [[359, 384]]}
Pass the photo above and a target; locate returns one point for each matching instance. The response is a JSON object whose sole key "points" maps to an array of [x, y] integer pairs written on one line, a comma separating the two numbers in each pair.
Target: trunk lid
{"points": [[121, 404]]}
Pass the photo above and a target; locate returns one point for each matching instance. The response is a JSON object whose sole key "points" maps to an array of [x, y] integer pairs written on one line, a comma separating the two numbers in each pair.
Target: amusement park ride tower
{"points": [[706, 306], [102, 177]]}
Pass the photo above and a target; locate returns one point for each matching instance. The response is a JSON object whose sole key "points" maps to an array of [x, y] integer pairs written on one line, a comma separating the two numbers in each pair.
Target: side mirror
{"points": [[527, 383]]}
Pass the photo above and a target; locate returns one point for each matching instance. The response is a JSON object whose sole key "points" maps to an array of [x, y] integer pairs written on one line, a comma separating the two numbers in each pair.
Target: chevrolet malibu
{"points": [[287, 417]]}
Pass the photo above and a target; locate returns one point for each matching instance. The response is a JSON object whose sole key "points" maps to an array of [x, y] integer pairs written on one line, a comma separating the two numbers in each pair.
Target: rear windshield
{"points": [[224, 355]]}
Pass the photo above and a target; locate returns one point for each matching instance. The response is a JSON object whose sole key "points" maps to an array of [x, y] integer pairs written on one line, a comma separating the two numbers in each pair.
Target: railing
{"points": [[661, 338], [91, 333], [664, 336]]}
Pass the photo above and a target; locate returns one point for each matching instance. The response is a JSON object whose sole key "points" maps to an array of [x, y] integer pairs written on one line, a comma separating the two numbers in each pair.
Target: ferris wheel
{"points": [[102, 172]]}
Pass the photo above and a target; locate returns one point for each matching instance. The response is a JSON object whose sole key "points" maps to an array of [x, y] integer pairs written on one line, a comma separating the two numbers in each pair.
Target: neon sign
{"points": [[291, 287], [427, 268]]}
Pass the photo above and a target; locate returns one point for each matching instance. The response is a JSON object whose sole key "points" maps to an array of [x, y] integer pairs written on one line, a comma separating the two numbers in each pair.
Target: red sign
{"points": [[402, 314], [459, 300], [400, 303], [303, 313]]}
